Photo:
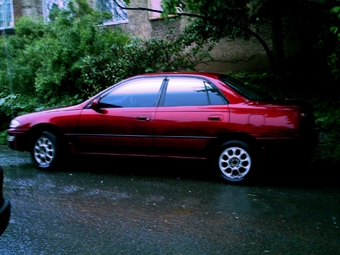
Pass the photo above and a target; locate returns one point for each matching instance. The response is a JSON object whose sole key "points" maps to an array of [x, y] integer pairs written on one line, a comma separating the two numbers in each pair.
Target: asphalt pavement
{"points": [[133, 206]]}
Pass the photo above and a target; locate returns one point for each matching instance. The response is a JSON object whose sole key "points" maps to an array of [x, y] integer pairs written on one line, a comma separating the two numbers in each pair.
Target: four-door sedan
{"points": [[180, 115]]}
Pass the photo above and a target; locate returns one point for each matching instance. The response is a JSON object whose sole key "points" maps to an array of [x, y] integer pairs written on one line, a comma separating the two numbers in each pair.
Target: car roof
{"points": [[193, 73]]}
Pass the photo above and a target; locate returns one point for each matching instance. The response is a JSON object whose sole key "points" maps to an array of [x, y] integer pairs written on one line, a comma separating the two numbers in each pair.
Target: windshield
{"points": [[244, 90]]}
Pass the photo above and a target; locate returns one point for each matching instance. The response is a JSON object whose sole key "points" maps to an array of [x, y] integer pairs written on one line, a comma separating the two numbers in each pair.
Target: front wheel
{"points": [[44, 153], [234, 161]]}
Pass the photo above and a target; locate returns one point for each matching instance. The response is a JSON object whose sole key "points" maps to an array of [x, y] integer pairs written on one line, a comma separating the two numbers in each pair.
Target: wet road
{"points": [[162, 207]]}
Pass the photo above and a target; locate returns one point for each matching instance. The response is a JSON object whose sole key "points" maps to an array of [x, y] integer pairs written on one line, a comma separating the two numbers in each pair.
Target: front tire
{"points": [[234, 162], [45, 151]]}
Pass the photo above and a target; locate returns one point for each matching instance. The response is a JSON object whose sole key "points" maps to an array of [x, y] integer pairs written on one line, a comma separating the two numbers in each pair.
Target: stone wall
{"points": [[236, 56]]}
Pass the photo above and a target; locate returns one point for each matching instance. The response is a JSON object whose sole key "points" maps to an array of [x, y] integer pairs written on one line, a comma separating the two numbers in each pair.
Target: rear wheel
{"points": [[45, 151], [234, 162]]}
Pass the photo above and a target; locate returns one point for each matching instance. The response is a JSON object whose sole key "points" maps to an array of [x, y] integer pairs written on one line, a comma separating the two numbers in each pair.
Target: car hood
{"points": [[35, 117], [57, 109]]}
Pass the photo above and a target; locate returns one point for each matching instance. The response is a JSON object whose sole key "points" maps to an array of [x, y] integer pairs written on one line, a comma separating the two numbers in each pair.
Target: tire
{"points": [[234, 162], [45, 151]]}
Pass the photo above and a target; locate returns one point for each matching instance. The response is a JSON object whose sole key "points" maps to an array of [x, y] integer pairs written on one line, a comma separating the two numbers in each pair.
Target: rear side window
{"points": [[182, 91], [245, 90]]}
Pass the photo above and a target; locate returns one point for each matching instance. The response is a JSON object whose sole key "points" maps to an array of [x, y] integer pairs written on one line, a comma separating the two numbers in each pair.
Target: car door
{"points": [[192, 113], [123, 120]]}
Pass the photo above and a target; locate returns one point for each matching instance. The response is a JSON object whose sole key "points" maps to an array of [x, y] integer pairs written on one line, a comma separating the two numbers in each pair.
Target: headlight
{"points": [[14, 124]]}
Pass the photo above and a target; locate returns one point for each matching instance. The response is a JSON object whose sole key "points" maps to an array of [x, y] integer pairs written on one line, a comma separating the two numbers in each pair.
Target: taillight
{"points": [[307, 118], [304, 115]]}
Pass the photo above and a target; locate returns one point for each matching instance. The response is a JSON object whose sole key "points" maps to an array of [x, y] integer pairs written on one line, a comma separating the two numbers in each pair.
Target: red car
{"points": [[181, 115]]}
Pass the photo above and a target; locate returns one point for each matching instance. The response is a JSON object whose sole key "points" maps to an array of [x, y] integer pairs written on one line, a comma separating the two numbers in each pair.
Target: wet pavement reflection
{"points": [[134, 206]]}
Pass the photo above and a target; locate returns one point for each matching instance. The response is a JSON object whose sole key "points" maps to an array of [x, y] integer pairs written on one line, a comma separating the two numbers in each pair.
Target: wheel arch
{"points": [[236, 136], [36, 130]]}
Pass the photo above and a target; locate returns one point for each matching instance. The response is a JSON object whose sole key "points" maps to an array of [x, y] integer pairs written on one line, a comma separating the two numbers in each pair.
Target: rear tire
{"points": [[45, 151], [234, 162]]}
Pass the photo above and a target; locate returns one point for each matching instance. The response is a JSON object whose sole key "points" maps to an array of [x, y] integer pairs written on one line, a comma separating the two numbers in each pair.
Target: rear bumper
{"points": [[5, 213], [299, 146]]}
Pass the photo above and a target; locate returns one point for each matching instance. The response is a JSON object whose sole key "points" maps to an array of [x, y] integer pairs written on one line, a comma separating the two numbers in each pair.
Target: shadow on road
{"points": [[137, 166], [316, 173]]}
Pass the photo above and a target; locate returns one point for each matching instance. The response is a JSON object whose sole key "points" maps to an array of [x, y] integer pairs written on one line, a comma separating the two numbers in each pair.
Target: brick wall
{"points": [[17, 7]]}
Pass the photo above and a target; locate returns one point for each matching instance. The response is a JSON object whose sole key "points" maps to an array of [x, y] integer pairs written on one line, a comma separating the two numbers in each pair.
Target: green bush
{"points": [[334, 59], [73, 54]]}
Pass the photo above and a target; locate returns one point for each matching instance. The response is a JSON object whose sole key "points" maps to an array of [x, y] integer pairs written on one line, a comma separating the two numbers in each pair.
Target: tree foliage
{"points": [[74, 55], [334, 58], [279, 21]]}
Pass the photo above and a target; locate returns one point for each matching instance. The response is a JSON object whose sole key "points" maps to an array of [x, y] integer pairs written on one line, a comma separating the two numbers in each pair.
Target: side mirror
{"points": [[95, 104]]}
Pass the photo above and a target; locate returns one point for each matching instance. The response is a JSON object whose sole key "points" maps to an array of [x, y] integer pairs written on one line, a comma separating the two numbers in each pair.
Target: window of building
{"points": [[119, 15], [6, 14], [155, 5], [48, 5]]}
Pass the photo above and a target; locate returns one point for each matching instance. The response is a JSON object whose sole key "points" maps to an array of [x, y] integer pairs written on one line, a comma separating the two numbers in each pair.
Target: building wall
{"points": [[17, 7], [32, 8], [228, 55], [141, 25]]}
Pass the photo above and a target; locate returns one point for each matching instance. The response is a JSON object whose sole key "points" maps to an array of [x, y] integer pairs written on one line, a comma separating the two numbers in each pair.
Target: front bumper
{"points": [[5, 213], [18, 140]]}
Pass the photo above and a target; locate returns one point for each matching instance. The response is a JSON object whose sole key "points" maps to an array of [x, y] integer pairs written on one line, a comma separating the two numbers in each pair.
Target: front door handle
{"points": [[216, 117]]}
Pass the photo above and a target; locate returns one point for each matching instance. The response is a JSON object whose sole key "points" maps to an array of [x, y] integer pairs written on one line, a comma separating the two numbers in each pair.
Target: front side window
{"points": [[113, 7], [136, 93], [191, 92], [6, 14]]}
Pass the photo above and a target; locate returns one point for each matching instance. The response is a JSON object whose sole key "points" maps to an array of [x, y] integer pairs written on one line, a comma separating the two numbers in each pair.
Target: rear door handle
{"points": [[216, 117]]}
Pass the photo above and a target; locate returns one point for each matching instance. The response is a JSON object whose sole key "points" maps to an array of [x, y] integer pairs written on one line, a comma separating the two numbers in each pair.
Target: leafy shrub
{"points": [[334, 59], [72, 54]]}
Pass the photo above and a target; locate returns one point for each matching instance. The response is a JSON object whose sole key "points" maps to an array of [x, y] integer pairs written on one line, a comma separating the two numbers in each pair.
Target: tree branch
{"points": [[245, 29]]}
